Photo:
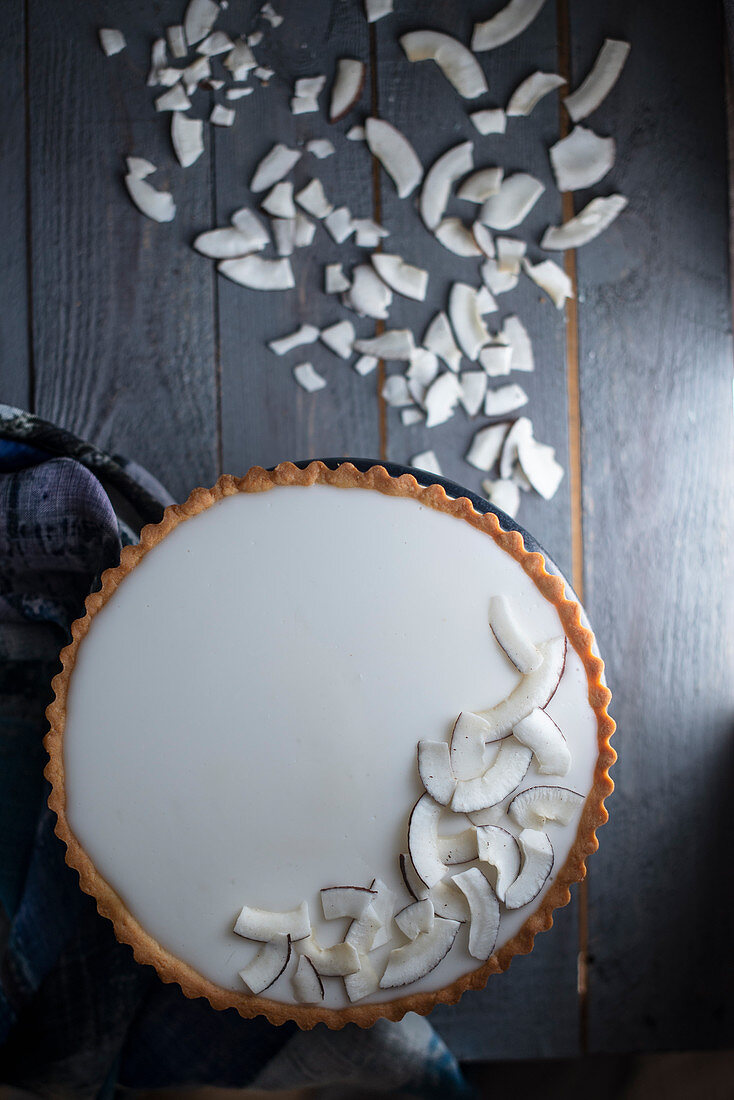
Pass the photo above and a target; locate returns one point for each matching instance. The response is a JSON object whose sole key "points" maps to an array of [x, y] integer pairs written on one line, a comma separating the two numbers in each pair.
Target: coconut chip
{"points": [[410, 416], [507, 24], [339, 338], [339, 223], [313, 199], [306, 334], [305, 231], [264, 74], [481, 185], [187, 138], [498, 282], [267, 966], [347, 87], [139, 167], [510, 253], [440, 339], [175, 99], [490, 121], [531, 91], [552, 279], [365, 365], [506, 399], [167, 77], [515, 333], [486, 447], [538, 463], [157, 205], [195, 73], [255, 38], [335, 281], [279, 200], [248, 224], [504, 494], [395, 392], [485, 301], [200, 17], [320, 148], [513, 202], [177, 43], [411, 282], [274, 166], [421, 373], [427, 461], [496, 358], [377, 9], [457, 238], [395, 153], [581, 159], [368, 233], [455, 61], [600, 80], [221, 116], [593, 220], [267, 11], [227, 243], [214, 44], [393, 344], [356, 133], [258, 273], [308, 378], [466, 319], [307, 985], [440, 179], [473, 389], [522, 428], [112, 41], [484, 239], [368, 295], [158, 59], [441, 399], [240, 61]]}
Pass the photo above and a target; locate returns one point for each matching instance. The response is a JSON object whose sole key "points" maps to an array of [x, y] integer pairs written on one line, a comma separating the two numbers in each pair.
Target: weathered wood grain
{"points": [[266, 416], [15, 367], [123, 321], [533, 1009], [658, 522]]}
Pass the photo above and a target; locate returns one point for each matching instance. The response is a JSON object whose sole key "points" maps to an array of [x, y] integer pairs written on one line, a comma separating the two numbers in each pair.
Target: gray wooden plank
{"points": [[266, 416], [123, 315], [15, 371], [533, 1010], [658, 521]]}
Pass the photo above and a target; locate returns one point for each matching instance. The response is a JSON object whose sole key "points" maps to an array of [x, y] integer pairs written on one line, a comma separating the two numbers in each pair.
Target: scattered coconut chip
{"points": [[157, 205], [532, 808], [513, 202], [521, 429], [515, 333], [224, 244], [305, 231], [214, 44], [536, 689], [306, 334], [506, 399], [507, 24], [593, 220], [167, 77], [496, 359], [339, 223], [468, 739], [484, 239], [439, 180], [267, 966], [440, 339], [600, 80], [581, 159], [345, 901], [284, 235], [510, 253], [447, 900], [395, 392], [368, 233], [258, 273], [279, 200], [196, 73], [187, 138], [441, 399], [139, 167], [264, 74], [509, 636], [362, 984], [321, 148], [486, 447], [411, 282], [421, 372], [457, 237], [247, 223], [504, 494], [552, 279], [308, 378], [458, 848], [175, 99], [485, 301], [419, 957], [415, 918], [356, 133], [363, 930], [394, 344], [307, 90], [265, 924], [490, 121], [240, 61], [433, 756], [339, 338], [255, 38], [384, 907], [177, 43], [158, 59], [333, 961], [268, 12], [377, 9], [499, 850], [423, 842], [368, 295], [335, 281], [537, 864], [413, 884], [541, 734], [466, 320], [481, 185], [274, 166], [307, 985], [410, 416], [473, 390], [455, 61], [395, 153], [538, 464], [221, 116], [313, 199], [500, 779], [200, 17], [484, 909], [531, 91], [112, 41], [498, 282], [347, 87]]}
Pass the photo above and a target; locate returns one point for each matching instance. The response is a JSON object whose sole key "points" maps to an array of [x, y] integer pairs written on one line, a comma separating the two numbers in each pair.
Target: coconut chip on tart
{"points": [[320, 943]]}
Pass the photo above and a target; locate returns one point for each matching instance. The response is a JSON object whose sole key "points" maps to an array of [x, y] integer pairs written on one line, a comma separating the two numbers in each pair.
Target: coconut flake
{"points": [[484, 239], [468, 739], [347, 87], [434, 767], [499, 850], [274, 166], [515, 333], [490, 121], [200, 17], [532, 808], [485, 301], [167, 77], [187, 138], [513, 202], [422, 840], [196, 73], [250, 227], [600, 80], [541, 734], [531, 91], [498, 282], [440, 179], [510, 253], [395, 392], [307, 90], [284, 235], [383, 906], [481, 185], [364, 983], [415, 918], [307, 985], [339, 223], [267, 11], [345, 901], [221, 116], [158, 59], [441, 399], [440, 339], [506, 399], [368, 233], [459, 847], [267, 966], [593, 220], [455, 61], [369, 295], [255, 38], [427, 461], [507, 24], [157, 205], [500, 779], [224, 244], [521, 429], [419, 957], [536, 689], [457, 238], [365, 365], [214, 44], [473, 389], [177, 43], [175, 99], [313, 199], [537, 864], [320, 148], [266, 924], [305, 231], [581, 159], [496, 359], [552, 279], [410, 416], [484, 909], [139, 167], [421, 372], [258, 273], [394, 344], [395, 153], [111, 40], [339, 338], [466, 319], [356, 133], [309, 379], [512, 640], [377, 9], [240, 61], [306, 334], [504, 494], [279, 200], [335, 281], [486, 447], [407, 280], [264, 74], [538, 463], [333, 961]]}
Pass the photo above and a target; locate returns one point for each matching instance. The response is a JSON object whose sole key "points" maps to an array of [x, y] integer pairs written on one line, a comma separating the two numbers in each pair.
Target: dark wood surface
{"points": [[119, 331]]}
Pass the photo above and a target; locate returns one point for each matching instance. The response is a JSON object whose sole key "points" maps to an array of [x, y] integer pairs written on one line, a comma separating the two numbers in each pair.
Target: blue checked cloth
{"points": [[78, 1016]]}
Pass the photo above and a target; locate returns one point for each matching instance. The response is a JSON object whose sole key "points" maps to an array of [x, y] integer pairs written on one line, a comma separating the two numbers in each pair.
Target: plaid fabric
{"points": [[78, 1015]]}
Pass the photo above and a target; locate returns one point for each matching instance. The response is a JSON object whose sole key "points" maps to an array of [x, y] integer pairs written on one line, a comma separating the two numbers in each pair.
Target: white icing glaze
{"points": [[243, 718]]}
